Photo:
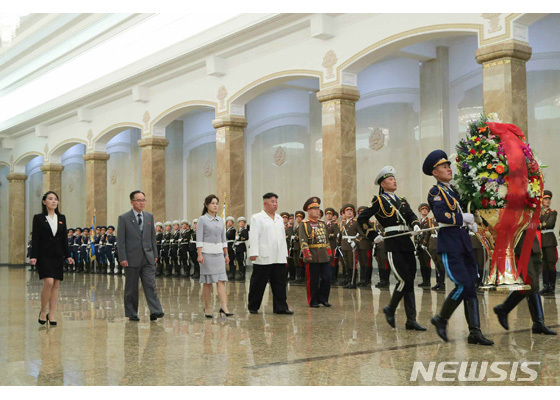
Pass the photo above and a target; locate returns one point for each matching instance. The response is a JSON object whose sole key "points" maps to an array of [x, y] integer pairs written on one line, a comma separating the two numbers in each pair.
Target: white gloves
{"points": [[378, 239], [468, 219], [473, 228]]}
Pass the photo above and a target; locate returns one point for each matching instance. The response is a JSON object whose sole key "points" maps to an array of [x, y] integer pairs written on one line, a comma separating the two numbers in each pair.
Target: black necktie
{"points": [[140, 220]]}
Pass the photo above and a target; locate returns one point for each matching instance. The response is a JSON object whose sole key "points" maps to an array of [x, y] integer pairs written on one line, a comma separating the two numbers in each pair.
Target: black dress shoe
{"points": [[441, 327], [314, 305], [134, 319], [153, 317], [389, 316], [476, 337], [254, 311], [288, 312], [414, 326], [160, 315], [326, 304]]}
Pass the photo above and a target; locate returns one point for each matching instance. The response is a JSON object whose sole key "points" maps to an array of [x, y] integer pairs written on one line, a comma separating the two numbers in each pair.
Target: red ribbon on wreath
{"points": [[511, 137]]}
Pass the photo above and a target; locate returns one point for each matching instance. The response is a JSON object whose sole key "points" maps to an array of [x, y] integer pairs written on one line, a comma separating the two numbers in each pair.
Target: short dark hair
{"points": [[135, 193], [269, 195]]}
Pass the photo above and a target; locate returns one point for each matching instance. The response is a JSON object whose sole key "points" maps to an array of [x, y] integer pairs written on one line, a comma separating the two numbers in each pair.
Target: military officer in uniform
{"points": [[103, 250], [549, 243], [241, 247], [70, 247], [396, 216], [534, 268], [96, 240], [166, 248], [230, 239], [76, 250], [422, 246], [193, 254], [332, 234], [289, 229], [159, 244], [110, 247], [184, 248], [174, 248], [347, 243], [84, 251], [32, 268], [316, 254], [364, 253], [455, 247], [296, 250]]}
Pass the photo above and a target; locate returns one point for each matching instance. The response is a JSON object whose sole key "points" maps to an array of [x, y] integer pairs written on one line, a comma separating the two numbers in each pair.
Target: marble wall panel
{"points": [[4, 214], [124, 175], [174, 171], [201, 178], [74, 195]]}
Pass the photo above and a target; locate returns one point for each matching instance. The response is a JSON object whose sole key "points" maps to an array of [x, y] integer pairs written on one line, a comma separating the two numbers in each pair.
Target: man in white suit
{"points": [[137, 250], [269, 253]]}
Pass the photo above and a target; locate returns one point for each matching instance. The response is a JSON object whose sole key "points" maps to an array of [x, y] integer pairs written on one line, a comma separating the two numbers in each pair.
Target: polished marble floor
{"points": [[348, 344]]}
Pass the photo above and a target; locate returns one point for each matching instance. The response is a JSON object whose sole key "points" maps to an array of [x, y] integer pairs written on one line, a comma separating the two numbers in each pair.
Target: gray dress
{"points": [[211, 236]]}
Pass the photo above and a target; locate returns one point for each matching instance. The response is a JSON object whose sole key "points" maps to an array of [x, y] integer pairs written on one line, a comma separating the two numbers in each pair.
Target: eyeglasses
{"points": [[140, 200]]}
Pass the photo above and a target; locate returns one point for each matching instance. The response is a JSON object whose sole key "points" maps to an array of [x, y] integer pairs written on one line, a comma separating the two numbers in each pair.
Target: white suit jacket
{"points": [[267, 239]]}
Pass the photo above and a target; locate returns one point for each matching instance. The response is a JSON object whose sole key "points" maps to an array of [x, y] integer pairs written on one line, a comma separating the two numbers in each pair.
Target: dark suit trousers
{"points": [[318, 282], [262, 274], [147, 274]]}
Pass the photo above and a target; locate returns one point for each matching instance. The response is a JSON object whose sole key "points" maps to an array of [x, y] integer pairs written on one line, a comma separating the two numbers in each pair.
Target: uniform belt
{"points": [[230, 241], [349, 237], [398, 228], [547, 231], [318, 246], [444, 225]]}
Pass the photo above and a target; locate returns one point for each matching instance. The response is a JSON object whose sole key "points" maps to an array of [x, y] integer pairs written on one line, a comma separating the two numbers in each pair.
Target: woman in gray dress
{"points": [[212, 251]]}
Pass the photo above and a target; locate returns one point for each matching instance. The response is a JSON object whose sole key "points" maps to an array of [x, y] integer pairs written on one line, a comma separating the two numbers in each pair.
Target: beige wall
{"points": [[4, 215], [34, 194], [201, 161], [74, 195], [174, 171]]}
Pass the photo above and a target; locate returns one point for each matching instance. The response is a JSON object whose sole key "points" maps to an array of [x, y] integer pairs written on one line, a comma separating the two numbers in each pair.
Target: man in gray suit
{"points": [[136, 243]]}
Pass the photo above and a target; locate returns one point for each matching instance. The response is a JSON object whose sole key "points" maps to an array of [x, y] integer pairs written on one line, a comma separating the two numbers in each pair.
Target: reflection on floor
{"points": [[348, 344]]}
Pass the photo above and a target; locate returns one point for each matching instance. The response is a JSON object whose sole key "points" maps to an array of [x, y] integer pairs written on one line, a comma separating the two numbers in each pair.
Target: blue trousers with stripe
{"points": [[462, 270]]}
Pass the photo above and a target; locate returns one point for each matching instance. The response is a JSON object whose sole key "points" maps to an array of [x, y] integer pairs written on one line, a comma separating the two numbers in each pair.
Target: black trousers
{"points": [[403, 265], [440, 268], [425, 269], [262, 274], [240, 257], [318, 282]]}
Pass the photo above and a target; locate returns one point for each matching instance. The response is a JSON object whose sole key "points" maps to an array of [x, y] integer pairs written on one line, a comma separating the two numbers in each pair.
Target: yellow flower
{"points": [[494, 175], [469, 156], [535, 186], [484, 175], [483, 151], [477, 144]]}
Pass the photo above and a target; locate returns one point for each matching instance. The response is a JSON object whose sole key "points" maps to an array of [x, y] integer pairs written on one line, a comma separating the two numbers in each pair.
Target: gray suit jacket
{"points": [[134, 244]]}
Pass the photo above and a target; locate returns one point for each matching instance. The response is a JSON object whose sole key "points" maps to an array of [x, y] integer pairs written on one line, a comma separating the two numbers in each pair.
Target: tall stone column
{"points": [[504, 80], [52, 180], [339, 145], [230, 162], [16, 207], [153, 174], [96, 187]]}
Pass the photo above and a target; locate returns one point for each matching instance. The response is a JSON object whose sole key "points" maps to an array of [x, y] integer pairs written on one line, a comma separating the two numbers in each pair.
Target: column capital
{"points": [[96, 156], [153, 142], [235, 121], [509, 49], [52, 167], [16, 176], [339, 92]]}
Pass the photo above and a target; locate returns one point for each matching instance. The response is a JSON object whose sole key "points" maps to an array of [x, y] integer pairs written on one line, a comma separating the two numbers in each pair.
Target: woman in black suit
{"points": [[49, 248]]}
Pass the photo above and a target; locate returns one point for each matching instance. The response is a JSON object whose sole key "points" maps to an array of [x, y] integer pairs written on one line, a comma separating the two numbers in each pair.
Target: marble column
{"points": [[230, 163], [52, 180], [16, 207], [96, 187], [434, 110], [339, 145], [504, 80], [153, 175]]}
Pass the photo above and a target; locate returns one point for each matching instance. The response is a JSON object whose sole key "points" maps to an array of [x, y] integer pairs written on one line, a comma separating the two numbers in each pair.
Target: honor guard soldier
{"points": [[110, 247], [103, 250], [70, 247], [289, 229], [296, 250], [240, 247], [534, 268], [364, 252], [174, 251], [316, 254], [548, 243], [454, 245], [230, 240], [184, 248], [380, 254], [76, 250], [32, 268], [332, 235], [422, 246], [193, 252], [159, 243], [96, 240], [166, 248], [396, 216], [347, 243], [84, 251]]}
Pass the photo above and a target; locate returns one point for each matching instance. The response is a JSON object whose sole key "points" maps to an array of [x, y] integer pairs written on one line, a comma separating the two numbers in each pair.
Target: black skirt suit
{"points": [[49, 250]]}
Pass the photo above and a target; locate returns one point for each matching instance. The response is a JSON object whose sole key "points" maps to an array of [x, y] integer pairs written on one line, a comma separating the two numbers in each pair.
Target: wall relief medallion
{"points": [[329, 61], [493, 21], [378, 138], [222, 94], [113, 177], [280, 156], [207, 169], [38, 193]]}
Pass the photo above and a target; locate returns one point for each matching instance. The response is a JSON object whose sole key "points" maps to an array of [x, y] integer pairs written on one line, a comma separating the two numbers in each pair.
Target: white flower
{"points": [[493, 154], [493, 186], [493, 117], [502, 191]]}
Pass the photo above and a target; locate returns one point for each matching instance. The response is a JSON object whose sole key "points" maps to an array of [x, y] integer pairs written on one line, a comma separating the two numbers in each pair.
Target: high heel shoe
{"points": [[225, 313], [42, 322], [53, 323], [207, 315]]}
